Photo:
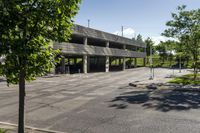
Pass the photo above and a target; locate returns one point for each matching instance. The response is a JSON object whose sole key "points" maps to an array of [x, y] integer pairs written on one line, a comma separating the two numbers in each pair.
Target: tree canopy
{"points": [[27, 27], [139, 38], [185, 26]]}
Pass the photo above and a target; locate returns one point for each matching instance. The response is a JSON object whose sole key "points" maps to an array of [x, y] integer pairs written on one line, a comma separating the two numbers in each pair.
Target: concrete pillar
{"points": [[85, 41], [124, 59], [107, 44], [62, 64], [124, 64], [135, 62], [107, 64], [85, 64], [124, 47], [85, 57]]}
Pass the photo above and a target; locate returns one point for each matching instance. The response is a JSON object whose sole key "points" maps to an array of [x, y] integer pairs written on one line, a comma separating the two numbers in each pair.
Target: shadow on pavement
{"points": [[2, 80], [162, 99]]}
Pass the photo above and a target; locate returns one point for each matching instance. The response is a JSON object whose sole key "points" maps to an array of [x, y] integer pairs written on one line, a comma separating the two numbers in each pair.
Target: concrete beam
{"points": [[73, 48]]}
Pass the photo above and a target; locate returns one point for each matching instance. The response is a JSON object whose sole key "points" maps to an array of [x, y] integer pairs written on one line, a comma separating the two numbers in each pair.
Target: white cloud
{"points": [[128, 32], [158, 39]]}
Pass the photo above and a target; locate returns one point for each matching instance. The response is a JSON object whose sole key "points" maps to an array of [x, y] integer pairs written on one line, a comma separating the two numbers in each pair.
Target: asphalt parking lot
{"points": [[104, 103]]}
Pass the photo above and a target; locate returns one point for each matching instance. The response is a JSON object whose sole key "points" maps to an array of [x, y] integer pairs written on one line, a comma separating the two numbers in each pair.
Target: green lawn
{"points": [[186, 79], [3, 130]]}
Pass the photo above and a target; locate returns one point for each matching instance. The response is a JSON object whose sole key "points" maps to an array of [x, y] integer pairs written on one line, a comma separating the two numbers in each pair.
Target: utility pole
{"points": [[122, 31], [88, 23]]}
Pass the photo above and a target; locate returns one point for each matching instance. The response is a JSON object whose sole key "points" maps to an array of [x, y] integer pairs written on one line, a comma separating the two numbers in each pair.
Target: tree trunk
{"points": [[147, 59], [21, 101], [163, 60], [187, 61], [195, 60], [195, 70]]}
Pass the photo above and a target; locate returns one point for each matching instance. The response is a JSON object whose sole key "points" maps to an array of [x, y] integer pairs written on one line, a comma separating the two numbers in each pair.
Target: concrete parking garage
{"points": [[96, 50]]}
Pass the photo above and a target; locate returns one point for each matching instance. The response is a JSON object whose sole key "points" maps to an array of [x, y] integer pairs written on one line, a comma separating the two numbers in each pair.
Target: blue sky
{"points": [[145, 17]]}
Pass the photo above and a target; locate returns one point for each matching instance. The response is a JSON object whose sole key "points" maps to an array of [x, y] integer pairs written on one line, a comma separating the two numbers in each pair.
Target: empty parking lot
{"points": [[104, 103]]}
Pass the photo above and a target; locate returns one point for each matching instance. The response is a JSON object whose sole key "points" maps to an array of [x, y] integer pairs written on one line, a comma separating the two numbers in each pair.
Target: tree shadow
{"points": [[162, 99], [50, 76], [2, 80]]}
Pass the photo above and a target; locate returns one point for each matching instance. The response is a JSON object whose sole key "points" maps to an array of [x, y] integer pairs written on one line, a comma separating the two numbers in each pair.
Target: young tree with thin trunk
{"points": [[26, 29]]}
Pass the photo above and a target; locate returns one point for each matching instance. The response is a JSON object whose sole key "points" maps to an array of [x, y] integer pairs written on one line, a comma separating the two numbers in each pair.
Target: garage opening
{"points": [[97, 64]]}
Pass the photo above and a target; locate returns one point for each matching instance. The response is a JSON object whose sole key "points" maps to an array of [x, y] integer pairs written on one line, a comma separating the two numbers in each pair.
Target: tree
{"points": [[185, 27], [139, 38], [26, 29], [170, 48], [149, 45], [182, 54], [162, 51]]}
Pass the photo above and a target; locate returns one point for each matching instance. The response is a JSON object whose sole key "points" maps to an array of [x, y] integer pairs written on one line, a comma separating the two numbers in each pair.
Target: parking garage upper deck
{"points": [[82, 31]]}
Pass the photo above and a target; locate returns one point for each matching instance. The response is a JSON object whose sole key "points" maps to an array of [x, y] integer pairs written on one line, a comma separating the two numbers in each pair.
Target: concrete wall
{"points": [[78, 49]]}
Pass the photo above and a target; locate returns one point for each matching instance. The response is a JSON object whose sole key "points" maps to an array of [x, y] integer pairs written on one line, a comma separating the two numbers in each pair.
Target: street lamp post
{"points": [[88, 23], [180, 64], [151, 65]]}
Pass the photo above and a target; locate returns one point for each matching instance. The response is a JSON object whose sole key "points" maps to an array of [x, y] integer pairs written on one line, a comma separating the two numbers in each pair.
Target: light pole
{"points": [[151, 65], [122, 31], [88, 23], [180, 64]]}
